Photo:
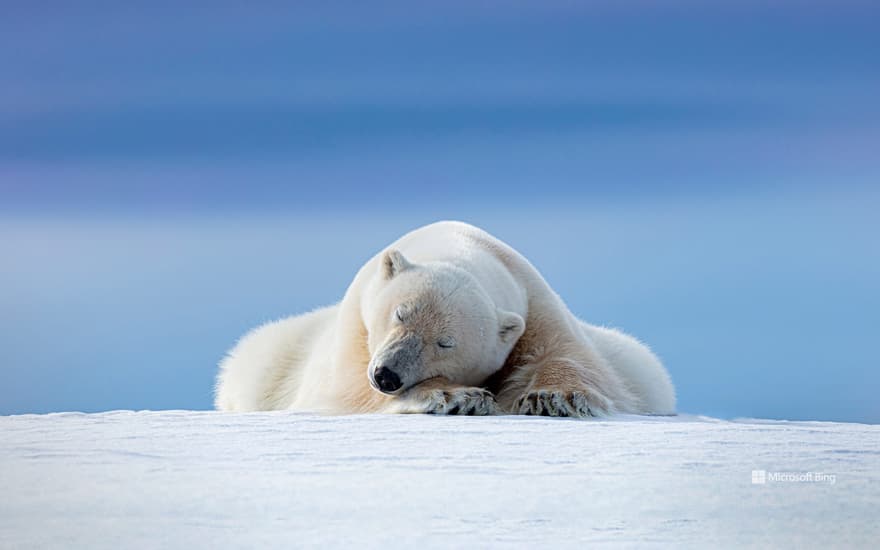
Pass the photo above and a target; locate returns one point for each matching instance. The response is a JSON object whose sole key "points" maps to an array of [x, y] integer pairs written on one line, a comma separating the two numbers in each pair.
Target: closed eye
{"points": [[446, 343]]}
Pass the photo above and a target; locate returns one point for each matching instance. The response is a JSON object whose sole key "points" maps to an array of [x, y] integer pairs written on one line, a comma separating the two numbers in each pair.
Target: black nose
{"points": [[387, 379]]}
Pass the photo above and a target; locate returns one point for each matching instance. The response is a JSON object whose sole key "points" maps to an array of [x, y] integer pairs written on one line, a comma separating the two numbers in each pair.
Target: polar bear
{"points": [[447, 320]]}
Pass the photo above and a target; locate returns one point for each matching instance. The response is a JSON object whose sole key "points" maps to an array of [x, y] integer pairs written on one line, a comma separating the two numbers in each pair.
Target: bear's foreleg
{"points": [[440, 396], [561, 387]]}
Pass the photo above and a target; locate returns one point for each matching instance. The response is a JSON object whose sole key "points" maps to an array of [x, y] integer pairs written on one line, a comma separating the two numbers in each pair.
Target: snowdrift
{"points": [[182, 479]]}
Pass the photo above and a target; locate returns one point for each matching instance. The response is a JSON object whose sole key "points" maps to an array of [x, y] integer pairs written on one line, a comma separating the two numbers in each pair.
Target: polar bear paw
{"points": [[460, 401], [577, 403]]}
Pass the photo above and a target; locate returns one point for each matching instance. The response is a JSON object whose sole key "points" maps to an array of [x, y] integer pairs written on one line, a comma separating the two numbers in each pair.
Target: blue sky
{"points": [[703, 176]]}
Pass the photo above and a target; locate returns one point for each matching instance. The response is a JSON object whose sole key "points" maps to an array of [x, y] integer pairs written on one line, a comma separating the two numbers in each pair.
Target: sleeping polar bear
{"points": [[447, 320]]}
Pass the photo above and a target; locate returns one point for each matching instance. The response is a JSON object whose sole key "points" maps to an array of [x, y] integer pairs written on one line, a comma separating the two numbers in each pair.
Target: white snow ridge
{"points": [[262, 480]]}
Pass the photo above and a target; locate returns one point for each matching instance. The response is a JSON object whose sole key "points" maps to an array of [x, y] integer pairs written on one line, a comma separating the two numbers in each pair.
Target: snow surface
{"points": [[213, 480]]}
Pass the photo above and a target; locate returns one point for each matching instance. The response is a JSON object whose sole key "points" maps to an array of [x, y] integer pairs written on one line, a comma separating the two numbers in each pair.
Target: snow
{"points": [[215, 480]]}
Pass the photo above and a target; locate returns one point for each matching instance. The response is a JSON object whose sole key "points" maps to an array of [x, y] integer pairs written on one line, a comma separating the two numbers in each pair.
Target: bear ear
{"points": [[511, 326], [393, 262]]}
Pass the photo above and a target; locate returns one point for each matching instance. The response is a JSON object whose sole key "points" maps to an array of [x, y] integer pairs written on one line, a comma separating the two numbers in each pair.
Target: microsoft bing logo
{"points": [[763, 477]]}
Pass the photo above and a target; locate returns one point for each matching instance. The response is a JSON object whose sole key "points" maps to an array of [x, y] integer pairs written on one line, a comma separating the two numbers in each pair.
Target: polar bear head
{"points": [[433, 320]]}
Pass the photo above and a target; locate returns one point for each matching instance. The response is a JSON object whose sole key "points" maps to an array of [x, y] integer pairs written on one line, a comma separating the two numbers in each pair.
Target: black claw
{"points": [[453, 410]]}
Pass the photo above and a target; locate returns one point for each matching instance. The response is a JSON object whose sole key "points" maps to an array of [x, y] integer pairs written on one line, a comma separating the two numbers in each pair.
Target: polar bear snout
{"points": [[387, 380], [397, 364]]}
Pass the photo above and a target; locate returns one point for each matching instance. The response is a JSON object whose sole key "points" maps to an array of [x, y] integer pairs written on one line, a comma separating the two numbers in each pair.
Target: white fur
{"points": [[324, 360], [637, 366]]}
